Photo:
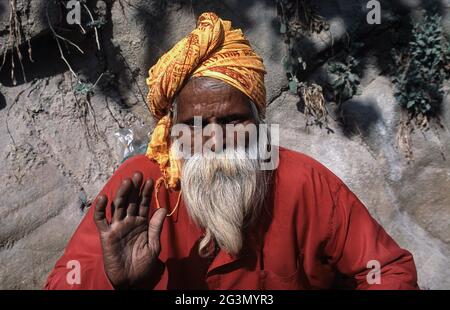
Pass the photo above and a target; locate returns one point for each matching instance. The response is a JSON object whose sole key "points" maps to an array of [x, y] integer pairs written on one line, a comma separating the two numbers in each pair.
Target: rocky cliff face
{"points": [[58, 142]]}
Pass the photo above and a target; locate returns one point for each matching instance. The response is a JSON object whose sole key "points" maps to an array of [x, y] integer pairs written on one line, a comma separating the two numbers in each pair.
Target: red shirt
{"points": [[315, 234]]}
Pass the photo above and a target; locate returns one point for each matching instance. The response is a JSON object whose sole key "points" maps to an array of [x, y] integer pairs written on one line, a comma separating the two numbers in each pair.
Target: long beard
{"points": [[223, 193]]}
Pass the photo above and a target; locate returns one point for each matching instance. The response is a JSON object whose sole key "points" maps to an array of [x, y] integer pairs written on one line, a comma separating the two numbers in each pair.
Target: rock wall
{"points": [[58, 145]]}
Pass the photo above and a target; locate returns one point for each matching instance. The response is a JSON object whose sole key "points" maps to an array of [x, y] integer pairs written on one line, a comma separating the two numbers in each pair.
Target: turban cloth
{"points": [[213, 49]]}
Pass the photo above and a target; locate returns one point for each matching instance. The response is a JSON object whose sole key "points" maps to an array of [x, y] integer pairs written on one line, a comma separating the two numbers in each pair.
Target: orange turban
{"points": [[213, 49]]}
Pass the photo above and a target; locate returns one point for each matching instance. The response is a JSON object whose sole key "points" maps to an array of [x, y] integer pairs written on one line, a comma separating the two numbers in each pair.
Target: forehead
{"points": [[209, 97]]}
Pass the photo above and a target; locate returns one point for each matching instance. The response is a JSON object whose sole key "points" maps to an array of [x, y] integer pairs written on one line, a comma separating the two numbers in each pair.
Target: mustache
{"points": [[221, 192]]}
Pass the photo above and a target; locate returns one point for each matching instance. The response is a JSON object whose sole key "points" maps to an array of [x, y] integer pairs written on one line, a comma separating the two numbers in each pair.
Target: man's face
{"points": [[215, 103], [223, 191]]}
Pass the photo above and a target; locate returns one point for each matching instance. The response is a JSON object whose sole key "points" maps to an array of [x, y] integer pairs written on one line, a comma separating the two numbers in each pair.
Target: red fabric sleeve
{"points": [[85, 247], [356, 239]]}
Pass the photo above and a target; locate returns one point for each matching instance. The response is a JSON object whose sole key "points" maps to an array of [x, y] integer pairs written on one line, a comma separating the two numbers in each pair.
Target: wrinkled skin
{"points": [[217, 103], [130, 242]]}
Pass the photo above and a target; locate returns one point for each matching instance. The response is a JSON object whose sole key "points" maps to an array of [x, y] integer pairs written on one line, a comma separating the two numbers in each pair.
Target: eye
{"points": [[189, 122], [235, 121], [195, 127]]}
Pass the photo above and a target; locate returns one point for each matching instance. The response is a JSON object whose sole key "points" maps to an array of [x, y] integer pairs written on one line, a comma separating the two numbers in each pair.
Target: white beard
{"points": [[223, 194]]}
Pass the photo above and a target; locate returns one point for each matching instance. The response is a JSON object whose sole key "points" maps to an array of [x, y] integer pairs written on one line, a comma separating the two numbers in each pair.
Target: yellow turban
{"points": [[213, 49]]}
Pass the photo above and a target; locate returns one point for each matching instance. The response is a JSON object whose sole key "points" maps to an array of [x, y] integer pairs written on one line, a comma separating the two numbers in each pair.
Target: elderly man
{"points": [[165, 221]]}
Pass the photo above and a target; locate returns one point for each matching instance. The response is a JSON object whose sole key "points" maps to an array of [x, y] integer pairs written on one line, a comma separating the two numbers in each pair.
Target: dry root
{"points": [[15, 39]]}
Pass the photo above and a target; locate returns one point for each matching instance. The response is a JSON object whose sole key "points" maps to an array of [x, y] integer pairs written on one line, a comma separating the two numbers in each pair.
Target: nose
{"points": [[216, 136]]}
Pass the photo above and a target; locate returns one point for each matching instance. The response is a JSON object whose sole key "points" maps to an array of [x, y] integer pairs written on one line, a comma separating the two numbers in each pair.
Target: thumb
{"points": [[156, 223]]}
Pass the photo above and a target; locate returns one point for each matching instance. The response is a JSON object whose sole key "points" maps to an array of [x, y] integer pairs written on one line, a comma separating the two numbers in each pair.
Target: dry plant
{"points": [[315, 109], [15, 39]]}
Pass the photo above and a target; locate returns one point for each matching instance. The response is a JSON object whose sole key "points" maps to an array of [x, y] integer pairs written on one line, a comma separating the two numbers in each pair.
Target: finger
{"points": [[146, 198], [156, 223], [121, 200], [100, 213], [133, 206]]}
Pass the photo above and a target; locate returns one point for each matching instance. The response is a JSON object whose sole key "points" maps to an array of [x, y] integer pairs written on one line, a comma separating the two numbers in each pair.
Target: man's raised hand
{"points": [[130, 243]]}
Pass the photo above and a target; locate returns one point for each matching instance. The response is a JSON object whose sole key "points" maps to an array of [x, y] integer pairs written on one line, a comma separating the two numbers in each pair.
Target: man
{"points": [[164, 221]]}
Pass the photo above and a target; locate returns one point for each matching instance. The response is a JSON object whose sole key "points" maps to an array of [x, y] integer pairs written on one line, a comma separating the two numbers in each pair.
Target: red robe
{"points": [[315, 234]]}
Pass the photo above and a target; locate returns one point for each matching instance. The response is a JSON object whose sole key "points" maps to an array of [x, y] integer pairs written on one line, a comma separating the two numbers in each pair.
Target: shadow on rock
{"points": [[359, 117], [2, 101]]}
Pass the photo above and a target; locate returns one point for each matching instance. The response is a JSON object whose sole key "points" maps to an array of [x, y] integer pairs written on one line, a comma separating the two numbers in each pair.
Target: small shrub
{"points": [[420, 69], [345, 81]]}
